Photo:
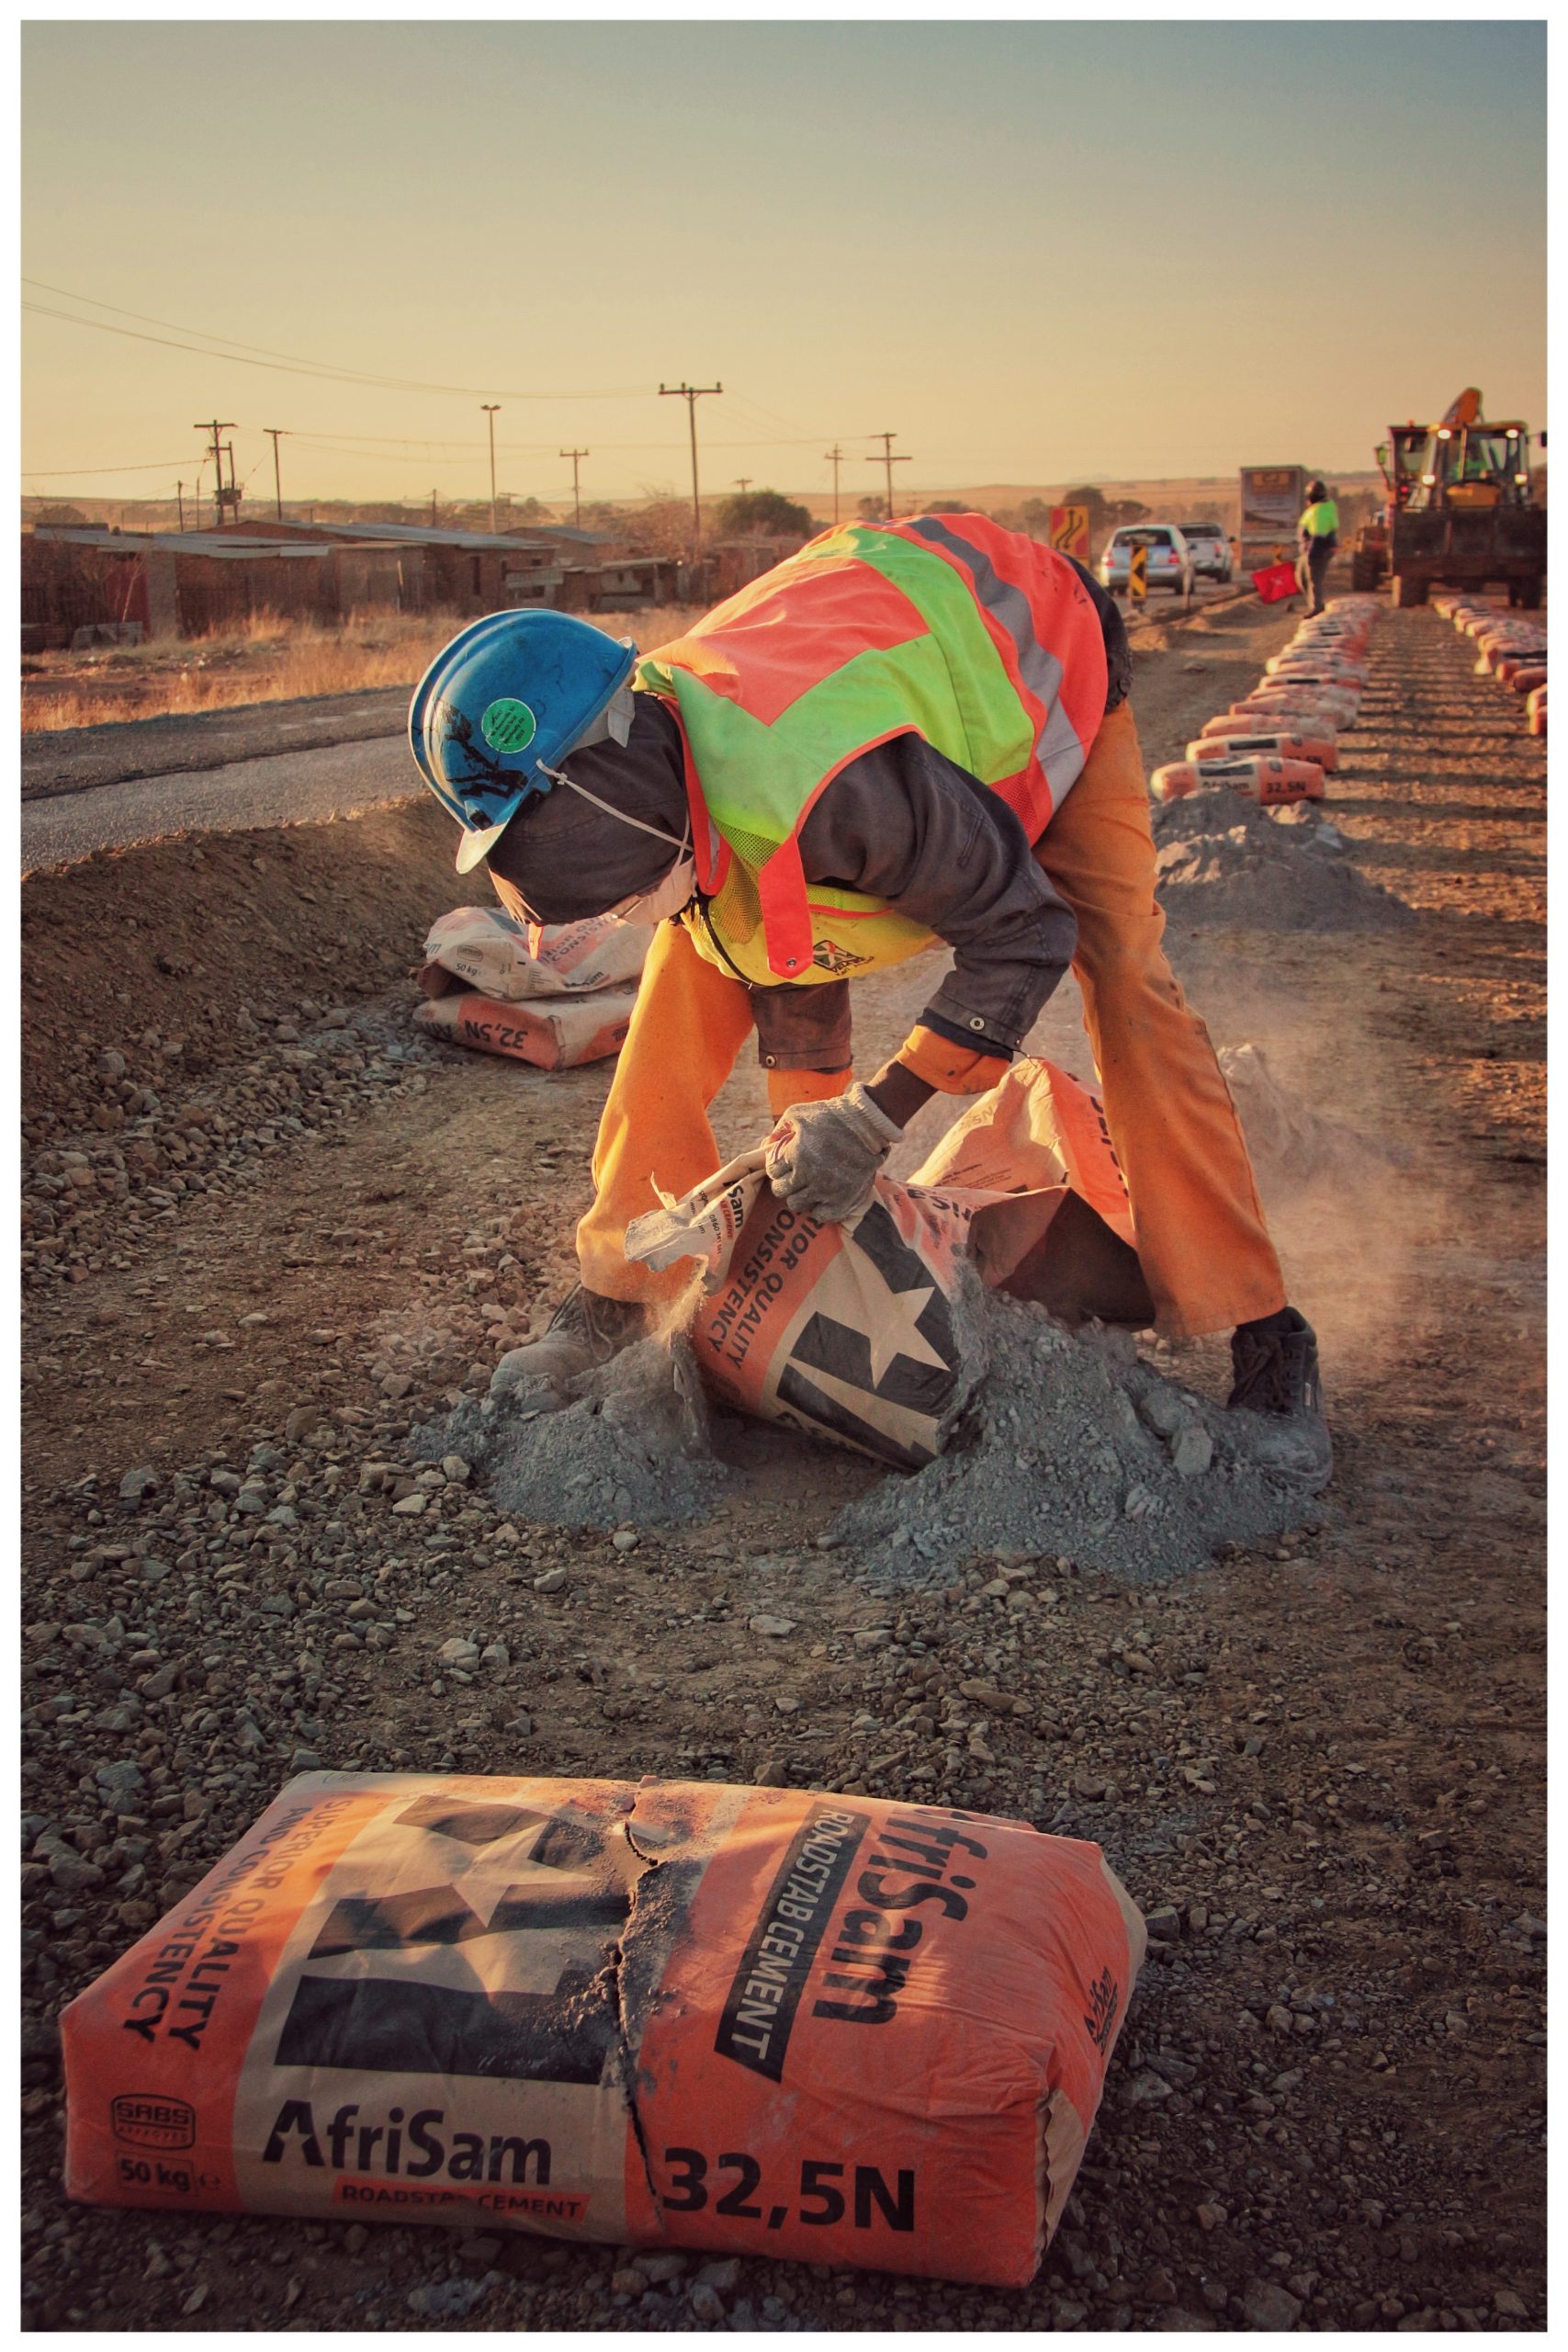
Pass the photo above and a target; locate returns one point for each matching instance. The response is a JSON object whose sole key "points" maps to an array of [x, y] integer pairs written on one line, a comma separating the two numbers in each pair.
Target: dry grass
{"points": [[265, 658]]}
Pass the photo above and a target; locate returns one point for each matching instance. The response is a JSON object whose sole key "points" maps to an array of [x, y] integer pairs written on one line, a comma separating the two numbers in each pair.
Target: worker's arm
{"points": [[907, 825]]}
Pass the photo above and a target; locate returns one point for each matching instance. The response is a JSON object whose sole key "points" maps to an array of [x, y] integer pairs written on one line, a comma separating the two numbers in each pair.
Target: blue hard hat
{"points": [[503, 704]]}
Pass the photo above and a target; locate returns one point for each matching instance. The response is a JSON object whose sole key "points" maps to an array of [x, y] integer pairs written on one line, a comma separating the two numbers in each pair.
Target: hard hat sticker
{"points": [[508, 725]]}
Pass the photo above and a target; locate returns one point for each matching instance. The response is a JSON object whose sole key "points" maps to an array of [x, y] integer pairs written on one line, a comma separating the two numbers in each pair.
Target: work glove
{"points": [[822, 1158]]}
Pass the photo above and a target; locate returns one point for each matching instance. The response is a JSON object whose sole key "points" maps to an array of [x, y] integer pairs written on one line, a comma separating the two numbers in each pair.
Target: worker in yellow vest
{"points": [[907, 732], [1317, 537]]}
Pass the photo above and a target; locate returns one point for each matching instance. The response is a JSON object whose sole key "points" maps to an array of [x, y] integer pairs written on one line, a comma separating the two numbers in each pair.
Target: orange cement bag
{"points": [[751, 2020], [1231, 739], [857, 1332], [1266, 780], [483, 949], [555, 1034]]}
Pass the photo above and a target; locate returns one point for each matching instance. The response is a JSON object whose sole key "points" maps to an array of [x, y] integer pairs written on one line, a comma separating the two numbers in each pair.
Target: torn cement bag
{"points": [[554, 1034], [859, 1332], [481, 948], [751, 2020], [854, 1333]]}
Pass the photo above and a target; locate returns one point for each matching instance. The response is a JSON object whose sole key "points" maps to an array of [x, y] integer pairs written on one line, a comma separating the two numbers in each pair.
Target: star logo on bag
{"points": [[877, 1361]]}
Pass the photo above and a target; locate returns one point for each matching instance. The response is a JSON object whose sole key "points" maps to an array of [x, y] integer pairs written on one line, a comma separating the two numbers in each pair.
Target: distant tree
{"points": [[60, 514], [661, 526], [1121, 512], [600, 514], [873, 510], [764, 515]]}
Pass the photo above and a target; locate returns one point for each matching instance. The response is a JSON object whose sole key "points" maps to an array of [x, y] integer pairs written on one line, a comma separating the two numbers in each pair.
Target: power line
{"points": [[54, 473], [292, 364]]}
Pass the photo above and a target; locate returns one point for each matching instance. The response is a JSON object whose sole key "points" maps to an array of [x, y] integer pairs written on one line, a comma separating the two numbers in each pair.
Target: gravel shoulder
{"points": [[1318, 1766]]}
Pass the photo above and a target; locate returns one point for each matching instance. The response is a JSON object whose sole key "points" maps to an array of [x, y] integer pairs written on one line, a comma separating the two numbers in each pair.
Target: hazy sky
{"points": [[1033, 251]]}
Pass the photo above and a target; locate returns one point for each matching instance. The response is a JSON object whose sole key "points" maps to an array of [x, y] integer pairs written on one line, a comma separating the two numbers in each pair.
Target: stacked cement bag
{"points": [[555, 996], [1510, 647], [1277, 744], [754, 2021]]}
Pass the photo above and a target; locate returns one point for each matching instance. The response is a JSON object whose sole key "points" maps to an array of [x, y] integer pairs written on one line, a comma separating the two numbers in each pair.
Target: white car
{"points": [[1170, 558], [1212, 558]]}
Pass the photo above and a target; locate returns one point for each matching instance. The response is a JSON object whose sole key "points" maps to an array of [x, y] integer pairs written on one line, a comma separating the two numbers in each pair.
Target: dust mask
{"points": [[655, 906]]}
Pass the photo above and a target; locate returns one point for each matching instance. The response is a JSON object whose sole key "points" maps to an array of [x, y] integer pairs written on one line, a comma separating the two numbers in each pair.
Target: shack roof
{"points": [[232, 545], [422, 534]]}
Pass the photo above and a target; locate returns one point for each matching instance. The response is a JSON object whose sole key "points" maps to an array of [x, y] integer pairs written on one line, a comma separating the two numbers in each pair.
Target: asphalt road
{"points": [[288, 787]]}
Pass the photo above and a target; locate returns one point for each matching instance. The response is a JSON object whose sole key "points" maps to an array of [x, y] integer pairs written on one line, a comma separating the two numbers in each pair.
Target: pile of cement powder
{"points": [[1225, 860], [1072, 1446], [633, 1445]]}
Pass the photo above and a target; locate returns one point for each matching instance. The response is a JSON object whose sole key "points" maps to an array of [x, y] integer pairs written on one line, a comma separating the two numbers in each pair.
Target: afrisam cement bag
{"points": [[831, 2029], [483, 949], [554, 1034], [853, 1332], [859, 1332]]}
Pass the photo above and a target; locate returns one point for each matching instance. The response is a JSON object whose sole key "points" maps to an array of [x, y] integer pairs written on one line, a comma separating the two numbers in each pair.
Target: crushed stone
{"points": [[1225, 860], [634, 1445], [1073, 1447]]}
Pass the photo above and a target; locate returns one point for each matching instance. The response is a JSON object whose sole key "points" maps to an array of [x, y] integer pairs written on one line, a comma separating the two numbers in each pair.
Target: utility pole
{"points": [[221, 497], [576, 493], [835, 457], [432, 510], [887, 461], [490, 408], [743, 483], [692, 394], [180, 496], [274, 431]]}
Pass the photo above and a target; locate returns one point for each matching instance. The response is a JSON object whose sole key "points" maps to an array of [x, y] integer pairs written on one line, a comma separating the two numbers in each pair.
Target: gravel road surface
{"points": [[76, 759], [288, 787]]}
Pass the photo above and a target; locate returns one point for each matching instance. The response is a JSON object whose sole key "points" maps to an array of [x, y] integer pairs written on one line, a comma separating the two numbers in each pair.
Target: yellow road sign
{"points": [[1069, 531], [1138, 574]]}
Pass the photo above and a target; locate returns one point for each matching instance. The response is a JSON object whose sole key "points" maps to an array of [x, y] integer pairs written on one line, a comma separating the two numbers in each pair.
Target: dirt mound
{"points": [[1071, 1447], [1225, 860], [174, 954]]}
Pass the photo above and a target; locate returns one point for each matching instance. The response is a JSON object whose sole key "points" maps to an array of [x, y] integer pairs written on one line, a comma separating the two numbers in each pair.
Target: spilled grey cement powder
{"points": [[1295, 1149], [1222, 859], [633, 1445], [1072, 1446]]}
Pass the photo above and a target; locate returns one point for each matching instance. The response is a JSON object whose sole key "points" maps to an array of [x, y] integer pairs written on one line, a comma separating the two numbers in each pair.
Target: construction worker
{"points": [[905, 732], [1317, 537]]}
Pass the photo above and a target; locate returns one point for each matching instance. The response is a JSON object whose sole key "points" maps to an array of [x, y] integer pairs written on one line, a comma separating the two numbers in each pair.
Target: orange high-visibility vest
{"points": [[979, 640]]}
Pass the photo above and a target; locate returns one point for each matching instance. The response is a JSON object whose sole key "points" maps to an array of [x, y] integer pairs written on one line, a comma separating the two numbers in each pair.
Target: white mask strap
{"points": [[619, 814]]}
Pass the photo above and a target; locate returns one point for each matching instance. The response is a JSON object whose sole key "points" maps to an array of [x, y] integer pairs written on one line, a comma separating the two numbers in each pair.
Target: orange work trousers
{"points": [[1202, 1242]]}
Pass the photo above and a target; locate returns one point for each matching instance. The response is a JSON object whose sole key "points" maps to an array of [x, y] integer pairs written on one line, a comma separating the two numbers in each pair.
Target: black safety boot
{"points": [[586, 1329], [1275, 1363]]}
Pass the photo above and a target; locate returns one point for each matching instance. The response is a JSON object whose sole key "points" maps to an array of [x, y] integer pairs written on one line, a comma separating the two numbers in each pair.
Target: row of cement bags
{"points": [[1277, 744], [1510, 647]]}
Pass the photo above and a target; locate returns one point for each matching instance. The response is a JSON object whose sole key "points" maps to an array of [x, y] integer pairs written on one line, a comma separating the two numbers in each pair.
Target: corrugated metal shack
{"points": [[468, 572], [188, 584]]}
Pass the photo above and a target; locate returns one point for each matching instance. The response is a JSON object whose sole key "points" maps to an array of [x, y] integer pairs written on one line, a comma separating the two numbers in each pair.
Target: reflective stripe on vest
{"points": [[977, 638]]}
